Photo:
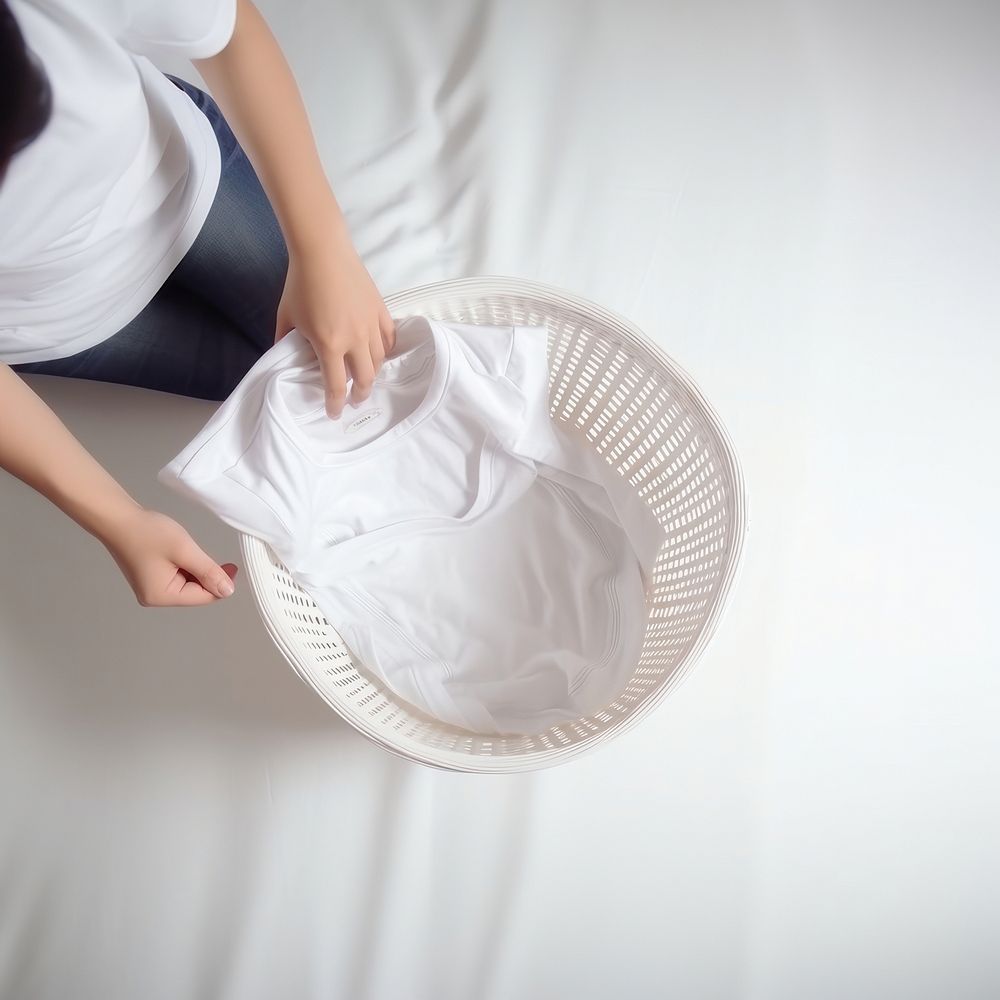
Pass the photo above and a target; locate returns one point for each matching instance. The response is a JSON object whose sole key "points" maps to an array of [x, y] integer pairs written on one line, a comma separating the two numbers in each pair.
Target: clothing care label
{"points": [[477, 556], [365, 418]]}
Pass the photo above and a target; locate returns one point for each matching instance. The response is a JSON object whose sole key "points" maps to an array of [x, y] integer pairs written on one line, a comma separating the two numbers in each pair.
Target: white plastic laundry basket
{"points": [[645, 416]]}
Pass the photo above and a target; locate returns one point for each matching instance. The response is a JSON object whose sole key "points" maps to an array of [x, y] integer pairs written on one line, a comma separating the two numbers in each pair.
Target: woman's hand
{"points": [[163, 564], [330, 298]]}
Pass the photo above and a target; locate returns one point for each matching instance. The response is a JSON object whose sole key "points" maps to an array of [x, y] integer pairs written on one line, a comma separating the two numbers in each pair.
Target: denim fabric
{"points": [[215, 314]]}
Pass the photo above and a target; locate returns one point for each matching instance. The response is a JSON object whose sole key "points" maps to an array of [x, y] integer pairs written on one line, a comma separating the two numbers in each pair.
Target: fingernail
{"points": [[226, 588]]}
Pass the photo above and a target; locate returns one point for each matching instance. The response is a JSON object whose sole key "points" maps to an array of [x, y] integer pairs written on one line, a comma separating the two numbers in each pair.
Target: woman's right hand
{"points": [[163, 564]]}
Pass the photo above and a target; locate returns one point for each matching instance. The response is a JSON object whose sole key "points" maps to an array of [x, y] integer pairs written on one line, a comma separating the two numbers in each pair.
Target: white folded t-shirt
{"points": [[477, 556], [98, 210]]}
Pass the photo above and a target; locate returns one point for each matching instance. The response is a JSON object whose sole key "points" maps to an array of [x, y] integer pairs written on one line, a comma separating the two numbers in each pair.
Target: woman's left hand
{"points": [[330, 298]]}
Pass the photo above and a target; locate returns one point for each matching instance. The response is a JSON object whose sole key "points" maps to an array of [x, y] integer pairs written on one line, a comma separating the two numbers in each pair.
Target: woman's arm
{"points": [[329, 295], [149, 547], [253, 84], [37, 447]]}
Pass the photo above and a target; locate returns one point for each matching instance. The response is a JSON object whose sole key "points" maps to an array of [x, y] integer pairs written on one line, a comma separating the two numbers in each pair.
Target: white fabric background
{"points": [[799, 201]]}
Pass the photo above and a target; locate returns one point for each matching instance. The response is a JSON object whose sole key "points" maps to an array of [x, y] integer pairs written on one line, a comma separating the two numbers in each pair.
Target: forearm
{"points": [[253, 84], [37, 448]]}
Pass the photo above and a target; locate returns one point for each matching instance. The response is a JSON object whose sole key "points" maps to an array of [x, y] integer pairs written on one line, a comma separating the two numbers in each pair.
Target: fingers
{"points": [[183, 590], [357, 362], [191, 594], [387, 328], [376, 349], [210, 577], [331, 363], [363, 372]]}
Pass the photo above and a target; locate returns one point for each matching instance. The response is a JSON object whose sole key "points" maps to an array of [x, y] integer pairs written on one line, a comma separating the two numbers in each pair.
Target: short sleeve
{"points": [[212, 470], [196, 29], [528, 370], [488, 346], [237, 469], [569, 458]]}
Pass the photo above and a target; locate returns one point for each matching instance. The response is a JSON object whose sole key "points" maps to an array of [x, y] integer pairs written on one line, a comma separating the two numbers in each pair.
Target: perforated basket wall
{"points": [[646, 417]]}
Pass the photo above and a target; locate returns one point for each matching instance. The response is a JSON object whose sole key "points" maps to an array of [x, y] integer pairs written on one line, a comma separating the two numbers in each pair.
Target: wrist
{"points": [[110, 522], [103, 511], [322, 231]]}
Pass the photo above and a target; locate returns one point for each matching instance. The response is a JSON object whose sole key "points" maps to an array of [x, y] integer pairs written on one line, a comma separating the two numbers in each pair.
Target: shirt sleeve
{"points": [[196, 29], [209, 471], [236, 471], [528, 370], [569, 457]]}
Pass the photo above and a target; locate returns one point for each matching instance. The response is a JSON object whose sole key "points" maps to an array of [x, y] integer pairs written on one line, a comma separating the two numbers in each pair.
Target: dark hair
{"points": [[25, 94]]}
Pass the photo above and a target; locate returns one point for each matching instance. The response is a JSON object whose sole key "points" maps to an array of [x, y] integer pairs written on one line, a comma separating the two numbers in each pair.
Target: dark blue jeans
{"points": [[215, 314]]}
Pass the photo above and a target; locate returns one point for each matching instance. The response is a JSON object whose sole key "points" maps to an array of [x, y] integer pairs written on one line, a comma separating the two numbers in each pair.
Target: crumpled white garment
{"points": [[476, 555]]}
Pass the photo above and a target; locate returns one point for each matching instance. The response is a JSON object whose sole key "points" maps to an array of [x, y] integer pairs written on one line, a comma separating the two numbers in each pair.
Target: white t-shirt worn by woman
{"points": [[98, 210]]}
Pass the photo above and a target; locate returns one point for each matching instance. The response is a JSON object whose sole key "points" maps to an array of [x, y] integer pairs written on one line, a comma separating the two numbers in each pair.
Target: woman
{"points": [[141, 243]]}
